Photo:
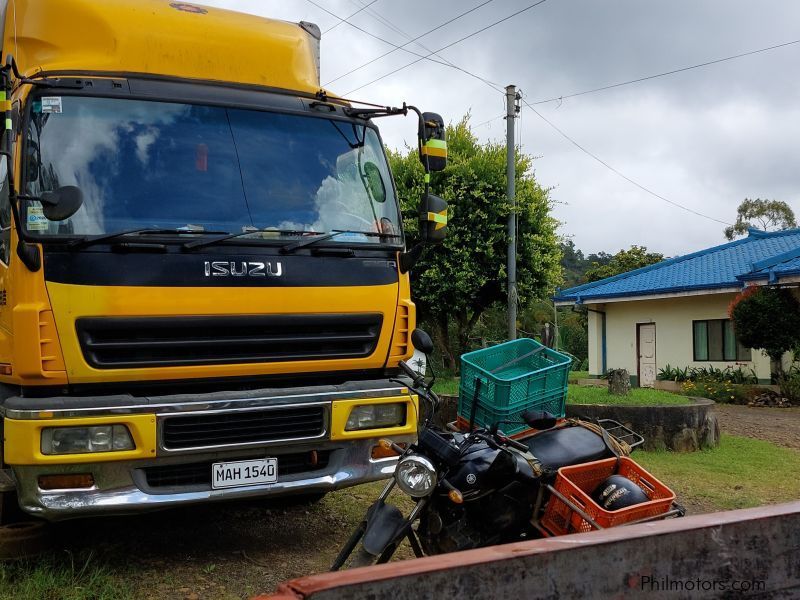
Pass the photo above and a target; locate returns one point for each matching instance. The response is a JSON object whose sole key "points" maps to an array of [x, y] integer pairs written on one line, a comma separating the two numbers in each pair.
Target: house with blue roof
{"points": [[676, 312]]}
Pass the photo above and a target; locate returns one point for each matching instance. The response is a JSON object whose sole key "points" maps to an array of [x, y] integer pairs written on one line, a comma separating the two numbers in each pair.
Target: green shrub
{"points": [[708, 374], [767, 319], [790, 385], [720, 391], [739, 376], [673, 374], [584, 365]]}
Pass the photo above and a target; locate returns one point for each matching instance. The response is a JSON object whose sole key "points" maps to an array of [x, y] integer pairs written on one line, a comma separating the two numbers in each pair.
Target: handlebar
{"points": [[513, 443], [409, 371], [502, 438], [418, 386]]}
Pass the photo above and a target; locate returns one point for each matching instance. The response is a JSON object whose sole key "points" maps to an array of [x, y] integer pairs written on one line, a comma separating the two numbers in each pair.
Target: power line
{"points": [[384, 21], [529, 105], [482, 123], [372, 35], [422, 35], [385, 41], [619, 173], [665, 73], [458, 41], [350, 16]]}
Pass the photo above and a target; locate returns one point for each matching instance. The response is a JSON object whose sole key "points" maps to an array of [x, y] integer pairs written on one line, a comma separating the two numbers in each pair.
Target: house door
{"points": [[646, 343]]}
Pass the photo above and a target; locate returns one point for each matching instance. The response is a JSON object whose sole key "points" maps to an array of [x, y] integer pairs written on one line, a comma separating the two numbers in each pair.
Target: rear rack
{"points": [[622, 433]]}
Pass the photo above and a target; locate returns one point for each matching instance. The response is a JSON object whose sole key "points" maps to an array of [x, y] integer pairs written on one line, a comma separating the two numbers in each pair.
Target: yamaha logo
{"points": [[241, 268]]}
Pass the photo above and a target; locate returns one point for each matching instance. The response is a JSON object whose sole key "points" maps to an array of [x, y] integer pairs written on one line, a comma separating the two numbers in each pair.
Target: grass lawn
{"points": [[575, 375], [740, 473], [447, 385], [63, 577], [638, 397]]}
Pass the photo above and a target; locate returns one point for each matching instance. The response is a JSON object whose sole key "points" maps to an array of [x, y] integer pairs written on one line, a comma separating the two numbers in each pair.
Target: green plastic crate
{"points": [[514, 377]]}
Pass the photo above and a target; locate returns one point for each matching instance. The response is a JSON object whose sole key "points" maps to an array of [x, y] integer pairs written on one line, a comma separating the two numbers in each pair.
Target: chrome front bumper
{"points": [[127, 486], [121, 487]]}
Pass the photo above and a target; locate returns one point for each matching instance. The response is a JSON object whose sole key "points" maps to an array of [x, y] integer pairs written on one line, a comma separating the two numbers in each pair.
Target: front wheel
{"points": [[362, 558]]}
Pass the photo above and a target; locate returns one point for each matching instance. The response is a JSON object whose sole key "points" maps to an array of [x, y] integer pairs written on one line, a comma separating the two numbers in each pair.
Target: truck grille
{"points": [[199, 473], [133, 342], [219, 429]]}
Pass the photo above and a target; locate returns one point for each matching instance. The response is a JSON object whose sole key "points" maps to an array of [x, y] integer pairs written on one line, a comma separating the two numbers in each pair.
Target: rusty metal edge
{"points": [[302, 587]]}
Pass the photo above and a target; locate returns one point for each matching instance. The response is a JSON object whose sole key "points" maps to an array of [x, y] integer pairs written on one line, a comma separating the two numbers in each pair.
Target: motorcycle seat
{"points": [[566, 446]]}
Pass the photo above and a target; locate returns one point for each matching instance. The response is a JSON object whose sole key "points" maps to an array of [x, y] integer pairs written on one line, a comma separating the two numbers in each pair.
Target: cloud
{"points": [[705, 138]]}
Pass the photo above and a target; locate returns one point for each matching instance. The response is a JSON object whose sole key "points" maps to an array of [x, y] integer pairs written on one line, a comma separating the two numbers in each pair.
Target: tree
{"points": [[767, 319], [572, 328], [573, 263], [460, 279], [622, 262], [767, 215]]}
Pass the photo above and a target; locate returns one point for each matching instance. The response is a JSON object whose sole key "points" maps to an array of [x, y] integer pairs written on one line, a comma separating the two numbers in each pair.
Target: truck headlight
{"points": [[416, 476], [77, 440], [375, 416]]}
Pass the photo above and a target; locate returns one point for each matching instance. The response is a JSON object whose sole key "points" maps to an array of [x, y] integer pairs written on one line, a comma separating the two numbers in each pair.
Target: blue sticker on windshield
{"points": [[355, 237]]}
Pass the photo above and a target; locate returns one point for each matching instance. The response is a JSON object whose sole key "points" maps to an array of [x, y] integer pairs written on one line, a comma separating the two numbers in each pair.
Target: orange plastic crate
{"points": [[577, 483]]}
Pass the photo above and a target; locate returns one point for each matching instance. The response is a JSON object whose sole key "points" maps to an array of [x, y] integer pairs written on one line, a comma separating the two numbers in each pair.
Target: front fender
{"points": [[385, 523]]}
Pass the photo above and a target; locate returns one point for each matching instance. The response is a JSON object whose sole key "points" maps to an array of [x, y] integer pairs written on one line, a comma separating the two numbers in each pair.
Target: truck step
{"points": [[7, 482]]}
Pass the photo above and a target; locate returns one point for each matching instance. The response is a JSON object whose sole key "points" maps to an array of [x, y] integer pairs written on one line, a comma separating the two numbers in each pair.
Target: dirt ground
{"points": [[235, 550], [227, 550], [777, 425]]}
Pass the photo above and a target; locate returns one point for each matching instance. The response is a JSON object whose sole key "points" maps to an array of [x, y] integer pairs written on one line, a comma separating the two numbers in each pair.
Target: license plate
{"points": [[244, 472]]}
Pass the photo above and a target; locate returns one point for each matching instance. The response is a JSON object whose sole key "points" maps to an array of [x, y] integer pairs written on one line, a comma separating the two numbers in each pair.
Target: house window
{"points": [[716, 340]]}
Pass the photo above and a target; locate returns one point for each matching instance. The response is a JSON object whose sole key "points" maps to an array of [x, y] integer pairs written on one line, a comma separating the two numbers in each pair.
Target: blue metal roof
{"points": [[761, 255], [773, 269]]}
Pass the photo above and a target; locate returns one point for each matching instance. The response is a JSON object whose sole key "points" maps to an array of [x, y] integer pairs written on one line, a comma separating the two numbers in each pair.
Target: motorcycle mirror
{"points": [[422, 341], [539, 419]]}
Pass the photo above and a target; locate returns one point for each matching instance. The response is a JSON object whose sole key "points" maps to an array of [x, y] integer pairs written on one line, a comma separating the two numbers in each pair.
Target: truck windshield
{"points": [[143, 164]]}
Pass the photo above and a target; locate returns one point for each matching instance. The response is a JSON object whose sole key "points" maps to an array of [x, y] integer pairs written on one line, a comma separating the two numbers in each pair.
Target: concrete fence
{"points": [[736, 554]]}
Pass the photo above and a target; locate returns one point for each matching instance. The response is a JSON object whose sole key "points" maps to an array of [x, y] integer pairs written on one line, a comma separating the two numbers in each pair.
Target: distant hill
{"points": [[575, 264]]}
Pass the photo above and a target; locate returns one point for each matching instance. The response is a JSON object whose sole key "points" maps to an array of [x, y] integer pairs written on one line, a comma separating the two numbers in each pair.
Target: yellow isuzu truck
{"points": [[204, 288]]}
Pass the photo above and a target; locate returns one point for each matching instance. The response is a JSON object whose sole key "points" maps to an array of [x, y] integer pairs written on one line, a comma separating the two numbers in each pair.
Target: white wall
{"points": [[673, 318], [595, 341]]}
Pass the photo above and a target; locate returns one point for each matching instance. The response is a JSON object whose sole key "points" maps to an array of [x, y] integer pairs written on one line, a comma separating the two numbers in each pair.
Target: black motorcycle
{"points": [[480, 488]]}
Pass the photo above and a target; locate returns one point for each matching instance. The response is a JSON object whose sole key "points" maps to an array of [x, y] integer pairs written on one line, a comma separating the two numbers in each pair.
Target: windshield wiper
{"points": [[105, 237], [229, 236], [289, 248]]}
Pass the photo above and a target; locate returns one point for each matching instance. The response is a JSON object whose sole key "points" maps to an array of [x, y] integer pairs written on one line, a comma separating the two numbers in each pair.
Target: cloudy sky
{"points": [[705, 138]]}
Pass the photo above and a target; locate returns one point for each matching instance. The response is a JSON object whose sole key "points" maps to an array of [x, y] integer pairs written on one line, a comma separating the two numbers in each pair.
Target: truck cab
{"points": [[204, 288]]}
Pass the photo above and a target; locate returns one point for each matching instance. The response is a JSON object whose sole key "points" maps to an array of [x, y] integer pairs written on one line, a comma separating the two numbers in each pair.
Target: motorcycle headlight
{"points": [[76, 440], [416, 476]]}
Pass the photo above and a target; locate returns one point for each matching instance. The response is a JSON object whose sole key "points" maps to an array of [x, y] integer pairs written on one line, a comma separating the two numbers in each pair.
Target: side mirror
{"points": [[433, 219], [539, 419], [61, 204], [432, 143], [422, 341]]}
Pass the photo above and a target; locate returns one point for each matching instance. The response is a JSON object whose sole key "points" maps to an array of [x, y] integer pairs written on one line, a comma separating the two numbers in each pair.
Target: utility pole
{"points": [[512, 108]]}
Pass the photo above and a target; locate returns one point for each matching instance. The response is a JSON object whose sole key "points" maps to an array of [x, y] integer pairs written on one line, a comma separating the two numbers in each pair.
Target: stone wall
{"points": [[684, 428]]}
